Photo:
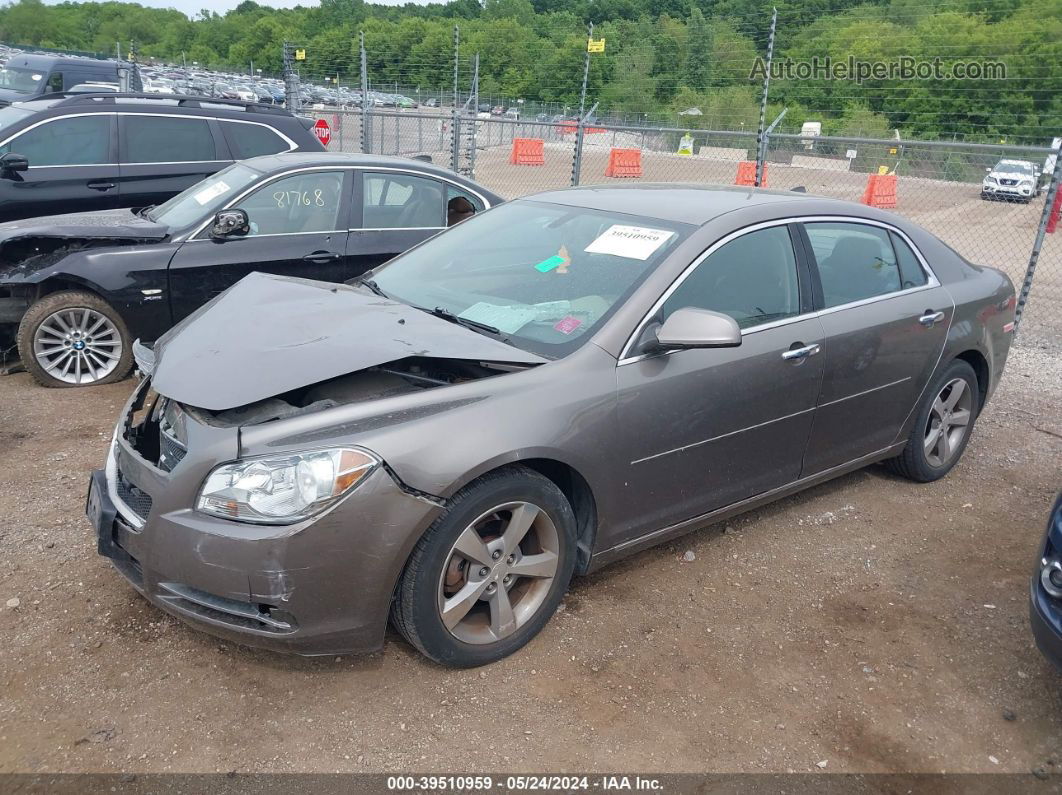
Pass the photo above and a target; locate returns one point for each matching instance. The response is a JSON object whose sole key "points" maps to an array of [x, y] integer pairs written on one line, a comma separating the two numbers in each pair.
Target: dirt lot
{"points": [[867, 625]]}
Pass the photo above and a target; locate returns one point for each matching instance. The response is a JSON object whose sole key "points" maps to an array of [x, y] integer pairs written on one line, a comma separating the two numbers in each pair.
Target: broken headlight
{"points": [[285, 488]]}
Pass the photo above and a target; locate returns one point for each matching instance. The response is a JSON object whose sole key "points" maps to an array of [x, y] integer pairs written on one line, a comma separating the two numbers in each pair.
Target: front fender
{"points": [[118, 274]]}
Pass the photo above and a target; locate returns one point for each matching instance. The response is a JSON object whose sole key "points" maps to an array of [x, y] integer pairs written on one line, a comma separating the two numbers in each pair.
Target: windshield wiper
{"points": [[372, 285], [143, 211], [446, 314]]}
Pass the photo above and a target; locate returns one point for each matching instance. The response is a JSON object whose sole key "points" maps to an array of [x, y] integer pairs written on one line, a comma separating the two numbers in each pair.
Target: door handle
{"points": [[101, 185], [799, 354], [930, 318], [321, 257]]}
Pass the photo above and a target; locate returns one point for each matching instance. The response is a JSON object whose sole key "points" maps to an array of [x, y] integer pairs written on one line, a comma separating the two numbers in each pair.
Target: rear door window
{"points": [[911, 272], [403, 201], [167, 139], [855, 261], [71, 141], [252, 140]]}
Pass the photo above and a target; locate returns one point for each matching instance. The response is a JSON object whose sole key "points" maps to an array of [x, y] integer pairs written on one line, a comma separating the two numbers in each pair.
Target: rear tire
{"points": [[74, 338], [476, 588], [943, 426]]}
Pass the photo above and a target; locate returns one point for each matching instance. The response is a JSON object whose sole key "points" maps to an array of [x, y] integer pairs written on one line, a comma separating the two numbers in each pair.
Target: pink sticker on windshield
{"points": [[567, 324]]}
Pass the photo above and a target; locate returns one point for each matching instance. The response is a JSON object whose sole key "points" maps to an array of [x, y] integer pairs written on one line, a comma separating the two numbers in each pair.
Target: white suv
{"points": [[1011, 180]]}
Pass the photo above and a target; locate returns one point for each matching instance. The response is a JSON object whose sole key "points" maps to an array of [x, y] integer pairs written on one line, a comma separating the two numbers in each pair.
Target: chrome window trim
{"points": [[931, 280], [343, 167], [396, 228], [292, 146]]}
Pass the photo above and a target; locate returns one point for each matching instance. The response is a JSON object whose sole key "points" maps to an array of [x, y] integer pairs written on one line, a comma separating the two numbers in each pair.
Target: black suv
{"points": [[64, 153]]}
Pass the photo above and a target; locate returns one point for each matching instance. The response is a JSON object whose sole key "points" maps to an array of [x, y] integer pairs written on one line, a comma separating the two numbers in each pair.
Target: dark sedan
{"points": [[75, 290], [554, 384], [1045, 605]]}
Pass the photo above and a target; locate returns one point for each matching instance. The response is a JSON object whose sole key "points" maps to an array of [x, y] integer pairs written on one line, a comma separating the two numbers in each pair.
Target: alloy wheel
{"points": [[949, 421], [498, 573], [77, 345]]}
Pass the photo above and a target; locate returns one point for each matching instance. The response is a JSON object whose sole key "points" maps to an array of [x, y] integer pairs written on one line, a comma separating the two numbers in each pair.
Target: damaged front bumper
{"points": [[322, 586]]}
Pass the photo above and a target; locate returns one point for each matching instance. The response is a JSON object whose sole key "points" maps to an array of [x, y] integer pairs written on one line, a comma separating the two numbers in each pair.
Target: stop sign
{"points": [[322, 131]]}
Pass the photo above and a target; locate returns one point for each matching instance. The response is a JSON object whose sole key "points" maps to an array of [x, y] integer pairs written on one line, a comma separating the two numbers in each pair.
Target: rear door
{"points": [[73, 167], [398, 210], [885, 318], [162, 154], [298, 228]]}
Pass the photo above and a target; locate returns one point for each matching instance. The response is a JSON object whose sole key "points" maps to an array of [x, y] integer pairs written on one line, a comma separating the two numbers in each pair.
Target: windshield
{"points": [[545, 276], [204, 198], [1015, 166], [25, 81]]}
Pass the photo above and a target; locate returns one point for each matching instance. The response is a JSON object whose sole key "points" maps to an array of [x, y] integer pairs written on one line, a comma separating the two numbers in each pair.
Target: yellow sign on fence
{"points": [[595, 45], [300, 55]]}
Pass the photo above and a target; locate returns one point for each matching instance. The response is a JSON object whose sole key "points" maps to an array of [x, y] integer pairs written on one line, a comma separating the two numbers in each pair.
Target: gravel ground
{"points": [[869, 624]]}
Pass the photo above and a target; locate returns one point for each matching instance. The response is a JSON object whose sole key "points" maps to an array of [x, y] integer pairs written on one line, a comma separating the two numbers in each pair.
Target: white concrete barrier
{"points": [[723, 153], [823, 163]]}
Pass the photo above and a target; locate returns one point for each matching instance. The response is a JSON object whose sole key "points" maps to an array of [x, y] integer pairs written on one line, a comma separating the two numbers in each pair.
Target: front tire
{"points": [[490, 572], [943, 426], [74, 338]]}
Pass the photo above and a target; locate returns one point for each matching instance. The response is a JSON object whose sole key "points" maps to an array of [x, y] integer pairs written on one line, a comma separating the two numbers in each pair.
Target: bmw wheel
{"points": [[74, 338]]}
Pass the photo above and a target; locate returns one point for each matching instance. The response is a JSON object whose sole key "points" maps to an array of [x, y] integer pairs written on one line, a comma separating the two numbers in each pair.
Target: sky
{"points": [[192, 7]]}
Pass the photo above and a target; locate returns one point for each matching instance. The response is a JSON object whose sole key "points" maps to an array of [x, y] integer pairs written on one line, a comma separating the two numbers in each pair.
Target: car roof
{"points": [[38, 60], [687, 204], [284, 160], [109, 101]]}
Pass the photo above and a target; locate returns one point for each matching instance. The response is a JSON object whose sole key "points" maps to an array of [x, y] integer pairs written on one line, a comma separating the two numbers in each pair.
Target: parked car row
{"points": [[23, 75], [347, 418]]}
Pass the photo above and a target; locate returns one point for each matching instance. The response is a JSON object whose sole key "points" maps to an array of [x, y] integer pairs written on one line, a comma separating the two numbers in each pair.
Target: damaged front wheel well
{"points": [[580, 497]]}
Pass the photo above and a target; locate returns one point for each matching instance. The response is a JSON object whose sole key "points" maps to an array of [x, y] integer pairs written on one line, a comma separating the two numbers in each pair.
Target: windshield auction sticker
{"points": [[632, 242], [507, 319], [215, 190]]}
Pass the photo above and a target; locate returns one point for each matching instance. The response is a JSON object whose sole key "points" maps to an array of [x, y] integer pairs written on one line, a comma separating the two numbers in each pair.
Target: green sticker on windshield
{"points": [[549, 264]]}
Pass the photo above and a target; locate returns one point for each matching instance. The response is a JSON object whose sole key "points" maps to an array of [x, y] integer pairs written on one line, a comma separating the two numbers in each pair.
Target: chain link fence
{"points": [[936, 184]]}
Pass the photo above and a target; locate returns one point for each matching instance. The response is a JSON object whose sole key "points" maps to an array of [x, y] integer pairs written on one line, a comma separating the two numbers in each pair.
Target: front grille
{"points": [[170, 451], [1008, 182], [170, 423], [136, 500]]}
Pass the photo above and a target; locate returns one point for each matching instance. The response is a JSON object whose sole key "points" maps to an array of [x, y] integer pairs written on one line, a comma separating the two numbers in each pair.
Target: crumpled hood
{"points": [[105, 225], [267, 335]]}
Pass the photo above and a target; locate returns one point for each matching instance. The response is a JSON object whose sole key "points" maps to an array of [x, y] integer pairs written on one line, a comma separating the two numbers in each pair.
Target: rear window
{"points": [[252, 140], [168, 139]]}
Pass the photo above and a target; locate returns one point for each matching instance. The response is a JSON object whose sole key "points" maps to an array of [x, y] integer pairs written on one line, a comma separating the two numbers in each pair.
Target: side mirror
{"points": [[230, 223], [698, 328], [13, 162], [988, 170]]}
